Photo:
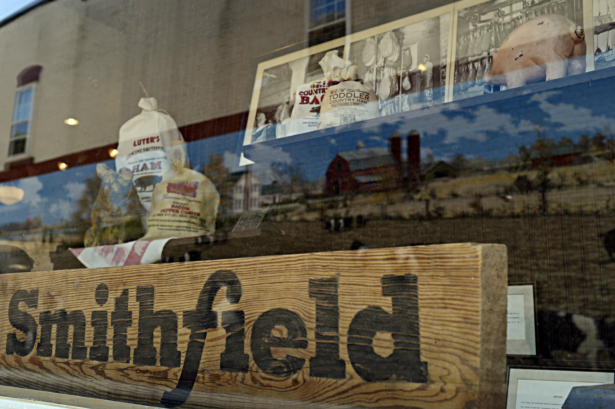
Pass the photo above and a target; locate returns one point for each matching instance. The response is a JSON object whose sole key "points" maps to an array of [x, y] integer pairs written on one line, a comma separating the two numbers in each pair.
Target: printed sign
{"points": [[419, 327]]}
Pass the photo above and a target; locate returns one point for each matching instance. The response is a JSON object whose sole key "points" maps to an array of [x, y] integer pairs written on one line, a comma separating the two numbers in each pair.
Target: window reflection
{"points": [[21, 120], [455, 154]]}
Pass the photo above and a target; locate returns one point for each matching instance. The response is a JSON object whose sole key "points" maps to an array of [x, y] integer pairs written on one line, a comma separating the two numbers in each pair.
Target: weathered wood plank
{"points": [[420, 327]]}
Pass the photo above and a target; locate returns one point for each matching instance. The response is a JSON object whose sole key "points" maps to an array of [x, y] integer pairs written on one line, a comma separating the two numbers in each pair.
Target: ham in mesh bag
{"points": [[184, 205], [349, 101], [141, 148]]}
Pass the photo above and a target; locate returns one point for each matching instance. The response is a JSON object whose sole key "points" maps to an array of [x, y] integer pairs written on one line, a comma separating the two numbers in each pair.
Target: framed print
{"points": [[482, 28], [274, 90], [547, 389], [521, 328], [405, 62], [603, 50]]}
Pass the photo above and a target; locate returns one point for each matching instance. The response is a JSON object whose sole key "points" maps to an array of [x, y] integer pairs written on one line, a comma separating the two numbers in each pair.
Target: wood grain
{"points": [[362, 304]]}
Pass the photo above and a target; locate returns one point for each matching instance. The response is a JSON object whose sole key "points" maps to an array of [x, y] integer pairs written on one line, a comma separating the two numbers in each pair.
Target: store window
{"points": [[261, 200]]}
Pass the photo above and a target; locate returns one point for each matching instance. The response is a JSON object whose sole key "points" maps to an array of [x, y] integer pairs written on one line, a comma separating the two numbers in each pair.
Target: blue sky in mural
{"points": [[492, 127], [51, 196]]}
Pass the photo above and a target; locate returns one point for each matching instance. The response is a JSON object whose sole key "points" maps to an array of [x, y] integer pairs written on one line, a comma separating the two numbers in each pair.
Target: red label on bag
{"points": [[187, 189]]}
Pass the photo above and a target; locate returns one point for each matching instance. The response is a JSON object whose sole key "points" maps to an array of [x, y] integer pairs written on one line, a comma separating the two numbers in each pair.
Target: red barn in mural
{"points": [[374, 169]]}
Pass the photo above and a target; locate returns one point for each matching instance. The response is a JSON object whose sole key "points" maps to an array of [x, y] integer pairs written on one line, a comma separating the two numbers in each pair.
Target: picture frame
{"points": [[602, 34], [521, 329], [455, 13], [481, 27], [264, 101], [547, 388], [282, 75], [421, 82]]}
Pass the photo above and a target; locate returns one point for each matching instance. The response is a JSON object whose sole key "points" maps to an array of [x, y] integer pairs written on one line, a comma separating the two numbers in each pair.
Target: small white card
{"points": [[521, 328], [516, 317]]}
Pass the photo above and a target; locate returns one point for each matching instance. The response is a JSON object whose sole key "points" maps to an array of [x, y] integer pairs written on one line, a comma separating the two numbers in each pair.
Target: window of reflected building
{"points": [[215, 203]]}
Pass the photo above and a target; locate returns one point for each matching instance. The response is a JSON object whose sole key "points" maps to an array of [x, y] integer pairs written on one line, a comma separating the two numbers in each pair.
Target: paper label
{"points": [[516, 317], [346, 103], [307, 106], [147, 160]]}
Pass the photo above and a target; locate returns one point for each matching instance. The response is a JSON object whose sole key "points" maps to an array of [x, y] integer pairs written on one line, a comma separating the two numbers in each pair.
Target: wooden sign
{"points": [[417, 327]]}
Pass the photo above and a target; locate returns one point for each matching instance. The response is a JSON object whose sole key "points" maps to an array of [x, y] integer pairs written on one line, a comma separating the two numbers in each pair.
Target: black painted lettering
{"points": [[233, 359], [121, 319], [405, 361], [99, 350], [199, 321], [145, 352], [327, 362], [62, 320], [22, 321], [263, 340]]}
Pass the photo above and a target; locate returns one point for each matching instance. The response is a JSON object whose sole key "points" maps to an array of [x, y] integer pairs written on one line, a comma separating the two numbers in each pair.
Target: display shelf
{"points": [[403, 122]]}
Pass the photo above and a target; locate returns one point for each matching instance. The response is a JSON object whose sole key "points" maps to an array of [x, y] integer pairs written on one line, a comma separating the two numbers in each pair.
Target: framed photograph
{"points": [[274, 91], [603, 50], [405, 62], [521, 328], [548, 389], [482, 27]]}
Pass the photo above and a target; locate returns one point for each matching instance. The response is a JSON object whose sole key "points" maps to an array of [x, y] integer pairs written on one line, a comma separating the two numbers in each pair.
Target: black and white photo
{"points": [[275, 92], [481, 30], [406, 66], [604, 33]]}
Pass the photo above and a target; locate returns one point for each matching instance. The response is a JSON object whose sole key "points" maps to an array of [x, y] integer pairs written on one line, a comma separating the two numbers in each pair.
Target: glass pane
{"points": [[341, 9], [330, 14], [417, 139], [324, 11], [17, 146], [23, 101], [19, 129]]}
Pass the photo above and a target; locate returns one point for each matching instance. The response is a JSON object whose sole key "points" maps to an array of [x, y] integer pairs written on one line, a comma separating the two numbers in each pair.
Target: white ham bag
{"points": [[141, 148]]}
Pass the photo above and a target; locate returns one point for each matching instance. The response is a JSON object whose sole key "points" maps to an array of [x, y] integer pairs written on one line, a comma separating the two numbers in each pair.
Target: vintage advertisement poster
{"points": [[482, 28], [403, 62], [604, 33], [280, 85], [405, 66]]}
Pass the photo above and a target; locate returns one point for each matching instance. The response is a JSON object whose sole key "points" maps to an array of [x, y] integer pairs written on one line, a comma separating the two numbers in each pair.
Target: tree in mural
{"points": [[610, 144], [459, 161], [524, 156], [543, 149], [218, 173], [566, 142], [539, 156], [81, 218], [584, 143], [599, 141]]}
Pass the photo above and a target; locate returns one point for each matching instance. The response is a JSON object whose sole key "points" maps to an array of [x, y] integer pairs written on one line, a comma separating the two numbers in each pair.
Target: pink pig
{"points": [[546, 47]]}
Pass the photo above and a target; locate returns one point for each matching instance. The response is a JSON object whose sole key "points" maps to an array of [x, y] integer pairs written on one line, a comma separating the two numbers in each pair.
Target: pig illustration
{"points": [[145, 181], [116, 213], [545, 48]]}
